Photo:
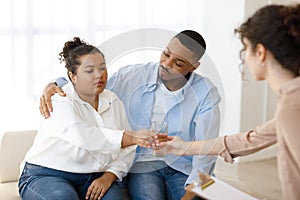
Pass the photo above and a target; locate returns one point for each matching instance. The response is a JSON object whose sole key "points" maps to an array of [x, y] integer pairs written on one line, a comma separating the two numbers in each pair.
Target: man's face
{"points": [[176, 61]]}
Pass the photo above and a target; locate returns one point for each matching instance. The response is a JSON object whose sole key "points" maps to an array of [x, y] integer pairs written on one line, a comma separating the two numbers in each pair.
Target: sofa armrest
{"points": [[13, 147]]}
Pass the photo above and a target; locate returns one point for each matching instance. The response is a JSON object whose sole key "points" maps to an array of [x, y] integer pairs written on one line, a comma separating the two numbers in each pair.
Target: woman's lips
{"points": [[100, 83]]}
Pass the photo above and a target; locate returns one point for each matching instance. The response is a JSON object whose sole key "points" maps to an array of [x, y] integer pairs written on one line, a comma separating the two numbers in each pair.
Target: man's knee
{"points": [[146, 186], [64, 194]]}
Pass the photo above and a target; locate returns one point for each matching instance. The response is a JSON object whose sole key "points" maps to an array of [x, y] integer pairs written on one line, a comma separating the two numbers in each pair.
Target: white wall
{"points": [[247, 103], [216, 20], [220, 19]]}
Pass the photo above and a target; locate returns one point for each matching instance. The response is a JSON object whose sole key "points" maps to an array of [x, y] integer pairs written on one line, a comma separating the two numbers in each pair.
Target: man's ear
{"points": [[261, 52], [196, 65]]}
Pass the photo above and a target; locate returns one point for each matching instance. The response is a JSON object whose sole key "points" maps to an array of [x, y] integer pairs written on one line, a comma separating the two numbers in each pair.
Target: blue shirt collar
{"points": [[154, 81]]}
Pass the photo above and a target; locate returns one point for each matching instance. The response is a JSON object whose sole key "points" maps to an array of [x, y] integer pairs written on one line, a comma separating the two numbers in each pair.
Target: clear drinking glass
{"points": [[161, 130]]}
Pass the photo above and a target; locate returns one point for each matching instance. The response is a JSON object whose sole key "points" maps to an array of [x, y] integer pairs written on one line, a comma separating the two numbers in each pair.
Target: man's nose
{"points": [[168, 63]]}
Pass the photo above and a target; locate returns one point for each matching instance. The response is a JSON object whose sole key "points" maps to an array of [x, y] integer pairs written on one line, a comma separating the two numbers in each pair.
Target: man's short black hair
{"points": [[193, 41]]}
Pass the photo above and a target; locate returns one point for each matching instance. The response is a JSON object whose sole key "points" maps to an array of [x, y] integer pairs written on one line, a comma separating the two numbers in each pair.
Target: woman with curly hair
{"points": [[271, 39]]}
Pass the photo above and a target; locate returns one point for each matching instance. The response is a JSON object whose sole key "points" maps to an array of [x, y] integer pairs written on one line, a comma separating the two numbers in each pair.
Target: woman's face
{"points": [[91, 76], [253, 62]]}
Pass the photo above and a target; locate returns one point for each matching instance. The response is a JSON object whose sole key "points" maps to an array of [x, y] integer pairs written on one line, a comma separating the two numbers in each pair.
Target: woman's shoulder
{"points": [[70, 95], [290, 93], [109, 100], [109, 95]]}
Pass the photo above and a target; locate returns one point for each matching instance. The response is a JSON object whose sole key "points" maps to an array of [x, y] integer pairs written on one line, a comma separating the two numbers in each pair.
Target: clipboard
{"points": [[219, 190]]}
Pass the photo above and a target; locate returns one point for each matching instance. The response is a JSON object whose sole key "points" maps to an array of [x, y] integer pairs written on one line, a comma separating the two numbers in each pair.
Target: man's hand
{"points": [[45, 100], [100, 185]]}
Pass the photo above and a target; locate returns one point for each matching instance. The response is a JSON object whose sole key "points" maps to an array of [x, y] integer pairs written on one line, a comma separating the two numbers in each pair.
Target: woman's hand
{"points": [[175, 145], [143, 138], [99, 186]]}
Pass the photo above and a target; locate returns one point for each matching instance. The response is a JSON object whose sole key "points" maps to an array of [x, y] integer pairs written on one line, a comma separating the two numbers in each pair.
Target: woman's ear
{"points": [[72, 77], [261, 52]]}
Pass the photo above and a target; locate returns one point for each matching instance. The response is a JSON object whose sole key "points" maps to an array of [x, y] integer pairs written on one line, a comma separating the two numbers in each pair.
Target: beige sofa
{"points": [[13, 147]]}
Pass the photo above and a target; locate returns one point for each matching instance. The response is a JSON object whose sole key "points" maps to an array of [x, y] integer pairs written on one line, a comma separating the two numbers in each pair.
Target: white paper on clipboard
{"points": [[220, 190]]}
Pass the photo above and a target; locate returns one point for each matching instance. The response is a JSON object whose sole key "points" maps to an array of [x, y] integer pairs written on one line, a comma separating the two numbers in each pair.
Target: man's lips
{"points": [[164, 70]]}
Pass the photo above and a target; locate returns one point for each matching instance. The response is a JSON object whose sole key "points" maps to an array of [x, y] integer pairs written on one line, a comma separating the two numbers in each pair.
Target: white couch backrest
{"points": [[13, 147]]}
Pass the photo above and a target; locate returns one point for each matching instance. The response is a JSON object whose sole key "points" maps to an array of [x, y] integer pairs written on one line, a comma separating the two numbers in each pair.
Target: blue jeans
{"points": [[37, 182], [154, 180]]}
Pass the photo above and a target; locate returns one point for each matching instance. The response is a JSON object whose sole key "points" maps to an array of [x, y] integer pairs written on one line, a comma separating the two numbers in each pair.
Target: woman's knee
{"points": [[48, 188]]}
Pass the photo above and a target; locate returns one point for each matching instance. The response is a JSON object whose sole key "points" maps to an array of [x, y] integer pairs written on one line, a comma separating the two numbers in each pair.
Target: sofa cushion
{"points": [[9, 191], [13, 147]]}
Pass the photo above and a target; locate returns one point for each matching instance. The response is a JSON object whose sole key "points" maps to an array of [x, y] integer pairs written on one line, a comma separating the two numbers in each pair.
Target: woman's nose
{"points": [[99, 73]]}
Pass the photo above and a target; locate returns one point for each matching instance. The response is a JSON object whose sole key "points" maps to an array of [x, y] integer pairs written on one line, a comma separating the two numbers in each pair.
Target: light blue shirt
{"points": [[194, 115]]}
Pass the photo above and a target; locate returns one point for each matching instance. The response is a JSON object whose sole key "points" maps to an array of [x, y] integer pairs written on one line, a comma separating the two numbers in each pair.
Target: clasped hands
{"points": [[172, 145], [149, 139]]}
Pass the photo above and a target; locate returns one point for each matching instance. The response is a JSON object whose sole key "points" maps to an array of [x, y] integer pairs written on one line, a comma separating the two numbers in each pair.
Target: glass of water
{"points": [[160, 129]]}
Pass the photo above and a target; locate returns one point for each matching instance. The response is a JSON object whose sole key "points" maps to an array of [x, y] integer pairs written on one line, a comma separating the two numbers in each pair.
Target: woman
{"points": [[77, 152], [271, 39]]}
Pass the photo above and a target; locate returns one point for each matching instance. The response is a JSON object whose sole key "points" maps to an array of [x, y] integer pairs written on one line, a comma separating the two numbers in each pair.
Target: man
{"points": [[166, 91]]}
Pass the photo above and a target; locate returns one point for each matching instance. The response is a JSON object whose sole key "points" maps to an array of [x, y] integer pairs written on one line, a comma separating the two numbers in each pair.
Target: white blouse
{"points": [[76, 138]]}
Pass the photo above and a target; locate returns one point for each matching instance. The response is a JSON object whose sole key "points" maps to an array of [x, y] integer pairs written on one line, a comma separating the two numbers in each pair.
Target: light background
{"points": [[32, 33]]}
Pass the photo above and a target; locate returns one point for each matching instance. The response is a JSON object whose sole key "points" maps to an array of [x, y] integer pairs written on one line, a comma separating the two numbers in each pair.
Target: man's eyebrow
{"points": [[179, 59]]}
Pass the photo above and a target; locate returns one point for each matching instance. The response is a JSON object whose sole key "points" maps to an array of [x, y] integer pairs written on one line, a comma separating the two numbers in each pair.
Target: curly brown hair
{"points": [[73, 50], [277, 27]]}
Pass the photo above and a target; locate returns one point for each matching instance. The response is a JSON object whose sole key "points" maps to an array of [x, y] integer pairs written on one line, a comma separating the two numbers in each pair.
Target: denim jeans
{"points": [[37, 182], [154, 180]]}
